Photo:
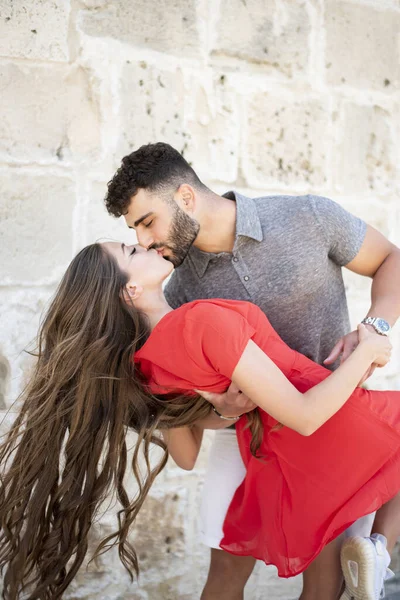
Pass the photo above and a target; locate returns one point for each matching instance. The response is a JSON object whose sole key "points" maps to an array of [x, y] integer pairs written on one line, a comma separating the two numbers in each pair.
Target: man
{"points": [[285, 254]]}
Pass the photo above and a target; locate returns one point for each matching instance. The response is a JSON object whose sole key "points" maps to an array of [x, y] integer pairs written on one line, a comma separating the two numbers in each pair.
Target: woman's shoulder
{"points": [[219, 316]]}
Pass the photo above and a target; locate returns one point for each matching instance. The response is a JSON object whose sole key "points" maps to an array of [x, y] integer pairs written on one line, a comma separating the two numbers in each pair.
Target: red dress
{"points": [[306, 490]]}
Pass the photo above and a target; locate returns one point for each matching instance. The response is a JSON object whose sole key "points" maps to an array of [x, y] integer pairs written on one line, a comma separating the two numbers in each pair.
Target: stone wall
{"points": [[263, 96]]}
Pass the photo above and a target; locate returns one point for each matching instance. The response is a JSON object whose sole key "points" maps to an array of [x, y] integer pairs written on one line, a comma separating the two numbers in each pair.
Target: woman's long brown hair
{"points": [[66, 451]]}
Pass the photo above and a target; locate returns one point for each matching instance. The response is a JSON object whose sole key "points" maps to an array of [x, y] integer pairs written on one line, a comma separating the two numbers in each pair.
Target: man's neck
{"points": [[218, 225]]}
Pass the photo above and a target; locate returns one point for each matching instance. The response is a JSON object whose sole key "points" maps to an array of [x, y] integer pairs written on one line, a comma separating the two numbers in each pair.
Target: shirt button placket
{"points": [[241, 269]]}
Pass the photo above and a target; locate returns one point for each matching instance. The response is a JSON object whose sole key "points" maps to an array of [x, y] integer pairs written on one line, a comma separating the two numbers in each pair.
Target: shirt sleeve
{"points": [[215, 337], [344, 233], [174, 292]]}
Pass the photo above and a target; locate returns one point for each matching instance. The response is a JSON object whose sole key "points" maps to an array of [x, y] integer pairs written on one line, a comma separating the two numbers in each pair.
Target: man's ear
{"points": [[186, 197], [132, 291]]}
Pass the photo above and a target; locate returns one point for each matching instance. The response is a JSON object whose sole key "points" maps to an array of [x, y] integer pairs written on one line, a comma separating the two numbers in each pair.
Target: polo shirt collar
{"points": [[247, 225], [247, 219]]}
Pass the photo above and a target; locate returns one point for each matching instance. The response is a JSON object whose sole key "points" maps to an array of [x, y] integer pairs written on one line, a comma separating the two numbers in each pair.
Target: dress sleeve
{"points": [[344, 233], [215, 337]]}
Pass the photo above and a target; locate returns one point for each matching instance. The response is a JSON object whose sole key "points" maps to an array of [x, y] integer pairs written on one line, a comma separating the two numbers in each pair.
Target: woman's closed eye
{"points": [[133, 252]]}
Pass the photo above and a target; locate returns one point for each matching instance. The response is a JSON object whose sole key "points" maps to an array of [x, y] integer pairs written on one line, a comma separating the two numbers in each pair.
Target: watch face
{"points": [[383, 325]]}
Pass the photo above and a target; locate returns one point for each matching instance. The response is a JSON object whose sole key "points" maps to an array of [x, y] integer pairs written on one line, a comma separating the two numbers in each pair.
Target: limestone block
{"points": [[362, 45], [163, 25], [212, 116], [158, 538], [99, 225], [366, 155], [202, 124], [20, 311], [274, 34], [286, 141], [35, 227], [35, 29], [104, 577], [151, 108], [55, 117], [4, 380]]}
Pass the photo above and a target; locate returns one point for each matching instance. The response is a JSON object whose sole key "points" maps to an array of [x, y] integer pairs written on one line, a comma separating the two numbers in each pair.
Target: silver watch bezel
{"points": [[374, 321]]}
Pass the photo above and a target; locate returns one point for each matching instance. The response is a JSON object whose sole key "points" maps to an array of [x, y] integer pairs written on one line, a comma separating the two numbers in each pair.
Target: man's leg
{"points": [[227, 576], [323, 579]]}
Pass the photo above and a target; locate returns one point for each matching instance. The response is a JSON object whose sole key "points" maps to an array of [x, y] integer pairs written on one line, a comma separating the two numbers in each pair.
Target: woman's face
{"points": [[146, 268]]}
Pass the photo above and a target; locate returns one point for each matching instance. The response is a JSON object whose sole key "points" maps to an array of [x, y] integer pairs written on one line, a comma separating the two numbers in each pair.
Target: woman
{"points": [[114, 355]]}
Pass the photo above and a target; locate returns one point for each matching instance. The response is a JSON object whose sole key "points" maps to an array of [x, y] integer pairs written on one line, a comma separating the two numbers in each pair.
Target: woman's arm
{"points": [[184, 444], [265, 384]]}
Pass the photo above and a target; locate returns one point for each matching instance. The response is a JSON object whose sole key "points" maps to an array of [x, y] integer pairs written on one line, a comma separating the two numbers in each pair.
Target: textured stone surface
{"points": [[98, 225], [4, 380], [20, 310], [47, 114], [286, 141], [157, 24], [35, 227], [211, 121], [34, 29], [362, 45], [366, 154], [151, 107], [274, 34]]}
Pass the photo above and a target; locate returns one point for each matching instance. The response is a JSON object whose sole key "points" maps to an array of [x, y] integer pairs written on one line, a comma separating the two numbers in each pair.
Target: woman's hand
{"points": [[379, 345], [347, 344]]}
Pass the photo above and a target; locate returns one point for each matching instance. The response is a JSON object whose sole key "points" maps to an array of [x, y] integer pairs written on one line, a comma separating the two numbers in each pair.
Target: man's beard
{"points": [[182, 234]]}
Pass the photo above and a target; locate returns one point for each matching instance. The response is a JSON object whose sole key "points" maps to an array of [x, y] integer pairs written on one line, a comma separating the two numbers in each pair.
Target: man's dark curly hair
{"points": [[153, 167]]}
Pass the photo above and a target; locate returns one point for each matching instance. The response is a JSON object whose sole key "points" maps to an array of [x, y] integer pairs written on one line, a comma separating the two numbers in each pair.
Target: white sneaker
{"points": [[365, 562]]}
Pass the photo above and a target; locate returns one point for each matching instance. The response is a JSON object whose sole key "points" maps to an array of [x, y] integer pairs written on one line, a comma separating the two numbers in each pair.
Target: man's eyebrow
{"points": [[136, 223]]}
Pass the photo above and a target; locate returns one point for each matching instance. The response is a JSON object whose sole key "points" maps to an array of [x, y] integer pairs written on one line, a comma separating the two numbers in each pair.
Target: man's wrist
{"points": [[379, 324]]}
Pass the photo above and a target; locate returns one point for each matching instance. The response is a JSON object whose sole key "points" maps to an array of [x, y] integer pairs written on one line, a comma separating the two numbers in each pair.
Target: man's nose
{"points": [[145, 239]]}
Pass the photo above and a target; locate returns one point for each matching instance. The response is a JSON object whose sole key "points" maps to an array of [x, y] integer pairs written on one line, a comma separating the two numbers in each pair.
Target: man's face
{"points": [[162, 225]]}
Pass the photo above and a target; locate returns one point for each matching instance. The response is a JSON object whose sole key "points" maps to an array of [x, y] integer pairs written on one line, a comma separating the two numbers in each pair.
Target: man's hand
{"points": [[231, 403], [345, 346]]}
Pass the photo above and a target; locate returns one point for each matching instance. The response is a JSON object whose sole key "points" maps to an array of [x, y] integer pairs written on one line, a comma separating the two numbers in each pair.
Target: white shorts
{"points": [[225, 472]]}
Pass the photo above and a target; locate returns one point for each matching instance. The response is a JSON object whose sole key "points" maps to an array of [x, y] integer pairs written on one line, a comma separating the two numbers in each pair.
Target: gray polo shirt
{"points": [[287, 259]]}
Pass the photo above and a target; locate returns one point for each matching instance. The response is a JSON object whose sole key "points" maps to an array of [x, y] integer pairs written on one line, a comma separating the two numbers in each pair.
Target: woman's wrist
{"points": [[368, 351]]}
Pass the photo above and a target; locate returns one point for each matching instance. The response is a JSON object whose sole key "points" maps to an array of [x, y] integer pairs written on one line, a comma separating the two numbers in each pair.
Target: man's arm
{"points": [[379, 259]]}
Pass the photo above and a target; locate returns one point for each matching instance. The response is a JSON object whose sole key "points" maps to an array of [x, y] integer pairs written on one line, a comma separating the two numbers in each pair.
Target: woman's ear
{"points": [[132, 291]]}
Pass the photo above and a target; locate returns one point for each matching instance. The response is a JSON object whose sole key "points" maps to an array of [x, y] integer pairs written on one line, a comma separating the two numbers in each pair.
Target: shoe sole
{"points": [[359, 551]]}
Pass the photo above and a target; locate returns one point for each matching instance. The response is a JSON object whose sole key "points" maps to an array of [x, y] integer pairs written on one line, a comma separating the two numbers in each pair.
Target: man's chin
{"points": [[175, 260]]}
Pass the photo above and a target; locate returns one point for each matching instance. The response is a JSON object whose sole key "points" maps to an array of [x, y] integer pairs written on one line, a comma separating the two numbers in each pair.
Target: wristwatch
{"points": [[380, 325]]}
